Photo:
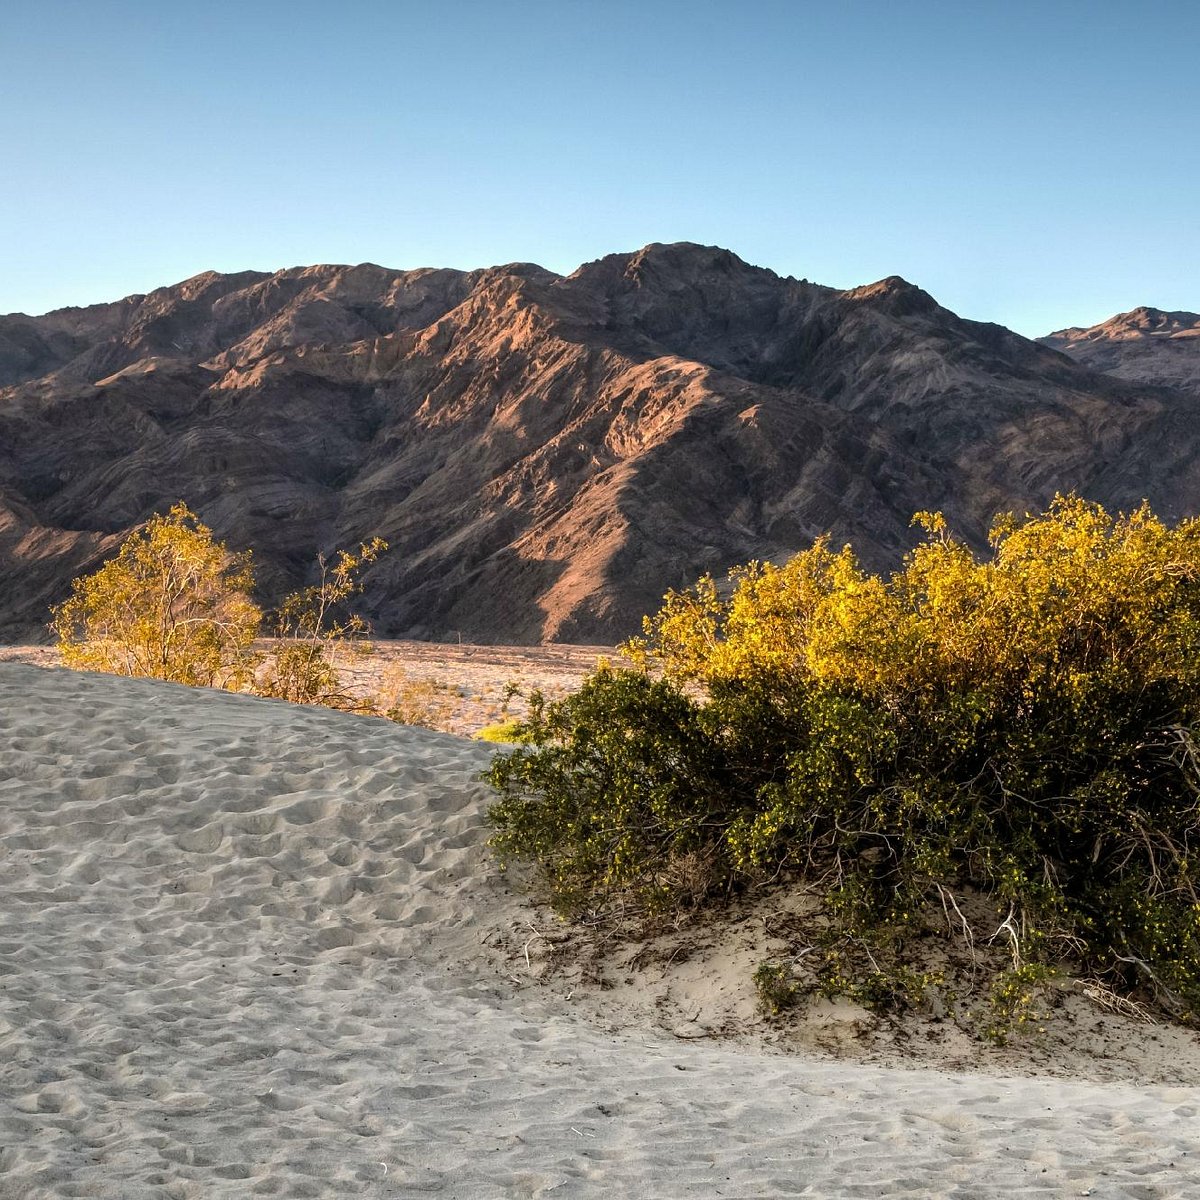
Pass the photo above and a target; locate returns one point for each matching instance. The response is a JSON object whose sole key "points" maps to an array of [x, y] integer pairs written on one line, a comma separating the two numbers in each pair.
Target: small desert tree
{"points": [[172, 604]]}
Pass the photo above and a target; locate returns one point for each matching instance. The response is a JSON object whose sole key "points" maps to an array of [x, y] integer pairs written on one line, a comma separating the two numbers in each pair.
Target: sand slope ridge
{"points": [[241, 954]]}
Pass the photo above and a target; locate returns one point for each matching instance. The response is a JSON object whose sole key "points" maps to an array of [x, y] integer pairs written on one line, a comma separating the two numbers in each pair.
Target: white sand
{"points": [[241, 954]]}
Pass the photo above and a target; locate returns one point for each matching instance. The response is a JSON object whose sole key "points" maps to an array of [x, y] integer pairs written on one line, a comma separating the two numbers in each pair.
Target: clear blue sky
{"points": [[1036, 164]]}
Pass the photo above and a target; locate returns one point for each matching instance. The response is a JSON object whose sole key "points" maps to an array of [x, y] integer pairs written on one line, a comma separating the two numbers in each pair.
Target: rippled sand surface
{"points": [[242, 953]]}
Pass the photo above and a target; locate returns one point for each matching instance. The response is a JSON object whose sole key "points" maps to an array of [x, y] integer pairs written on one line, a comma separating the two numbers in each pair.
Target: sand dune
{"points": [[243, 953]]}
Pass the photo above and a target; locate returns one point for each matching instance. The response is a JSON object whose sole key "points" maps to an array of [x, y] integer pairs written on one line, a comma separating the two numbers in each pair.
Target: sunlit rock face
{"points": [[546, 454], [1146, 345]]}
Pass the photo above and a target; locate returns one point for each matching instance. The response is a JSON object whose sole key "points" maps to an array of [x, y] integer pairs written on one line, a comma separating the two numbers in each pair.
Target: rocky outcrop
{"points": [[1146, 345], [545, 454]]}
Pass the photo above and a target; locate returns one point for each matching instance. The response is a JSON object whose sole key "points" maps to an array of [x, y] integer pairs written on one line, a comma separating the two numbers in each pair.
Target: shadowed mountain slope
{"points": [[545, 454]]}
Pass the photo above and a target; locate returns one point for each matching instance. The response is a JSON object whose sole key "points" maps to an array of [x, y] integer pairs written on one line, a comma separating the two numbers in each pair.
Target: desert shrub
{"points": [[172, 604], [314, 631], [619, 781], [422, 701], [1017, 726], [508, 731], [776, 987], [1013, 1001], [176, 604]]}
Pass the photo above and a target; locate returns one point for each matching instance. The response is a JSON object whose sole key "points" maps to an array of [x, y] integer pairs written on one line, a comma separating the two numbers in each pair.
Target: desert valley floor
{"points": [[249, 949]]}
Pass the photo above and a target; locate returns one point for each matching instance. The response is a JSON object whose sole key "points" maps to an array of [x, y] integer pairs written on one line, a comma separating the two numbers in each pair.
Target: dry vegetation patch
{"points": [[456, 687]]}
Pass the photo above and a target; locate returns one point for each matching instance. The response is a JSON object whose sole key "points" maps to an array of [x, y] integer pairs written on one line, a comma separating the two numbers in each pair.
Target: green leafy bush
{"points": [[1018, 726], [776, 987]]}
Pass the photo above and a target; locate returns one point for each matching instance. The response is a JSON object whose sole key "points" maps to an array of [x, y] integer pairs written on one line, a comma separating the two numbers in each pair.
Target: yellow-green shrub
{"points": [[313, 629], [172, 604], [175, 604], [1019, 724], [507, 732]]}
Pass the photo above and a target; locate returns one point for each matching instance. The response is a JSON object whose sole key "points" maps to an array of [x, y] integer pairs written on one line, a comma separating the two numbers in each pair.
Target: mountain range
{"points": [[548, 454]]}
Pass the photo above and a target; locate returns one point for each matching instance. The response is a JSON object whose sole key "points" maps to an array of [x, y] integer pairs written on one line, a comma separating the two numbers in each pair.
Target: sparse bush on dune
{"points": [[1002, 747], [172, 604], [313, 630], [175, 604]]}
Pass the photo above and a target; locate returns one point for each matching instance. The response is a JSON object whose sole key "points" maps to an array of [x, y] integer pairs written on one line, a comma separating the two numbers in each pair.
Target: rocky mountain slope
{"points": [[545, 454], [1146, 345]]}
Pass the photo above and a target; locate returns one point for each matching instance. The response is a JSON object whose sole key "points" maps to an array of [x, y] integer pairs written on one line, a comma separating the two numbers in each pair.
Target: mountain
{"points": [[546, 454], [1146, 345]]}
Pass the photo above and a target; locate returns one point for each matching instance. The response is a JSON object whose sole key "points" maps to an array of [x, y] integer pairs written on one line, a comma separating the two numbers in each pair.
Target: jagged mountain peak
{"points": [[546, 454], [1143, 321], [896, 294], [667, 262]]}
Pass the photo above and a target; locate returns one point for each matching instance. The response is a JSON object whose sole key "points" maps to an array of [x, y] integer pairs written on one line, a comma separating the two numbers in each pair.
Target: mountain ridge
{"points": [[1148, 345], [546, 453]]}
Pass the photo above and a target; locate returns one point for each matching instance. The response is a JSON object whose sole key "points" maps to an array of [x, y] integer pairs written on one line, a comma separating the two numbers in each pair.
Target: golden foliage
{"points": [[1021, 724], [172, 604], [175, 604], [1074, 590]]}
